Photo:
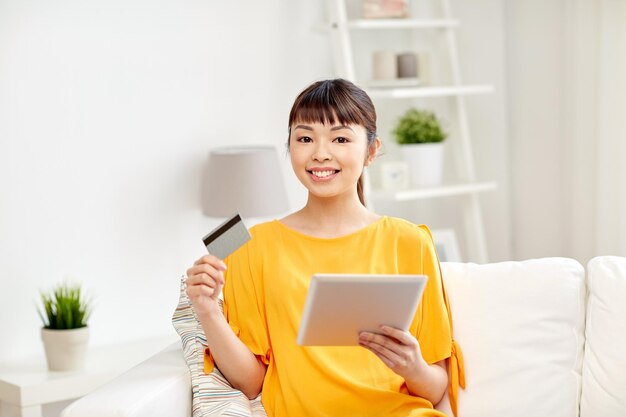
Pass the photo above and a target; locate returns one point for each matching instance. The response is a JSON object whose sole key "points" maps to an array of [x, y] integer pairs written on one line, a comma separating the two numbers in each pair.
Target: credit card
{"points": [[227, 237]]}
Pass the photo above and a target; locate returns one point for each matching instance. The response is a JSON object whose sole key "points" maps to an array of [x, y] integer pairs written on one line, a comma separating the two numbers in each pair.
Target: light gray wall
{"points": [[535, 72], [108, 111], [552, 54]]}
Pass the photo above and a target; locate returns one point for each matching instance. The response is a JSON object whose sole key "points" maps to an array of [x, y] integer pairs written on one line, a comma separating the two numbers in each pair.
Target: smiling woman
{"points": [[332, 137]]}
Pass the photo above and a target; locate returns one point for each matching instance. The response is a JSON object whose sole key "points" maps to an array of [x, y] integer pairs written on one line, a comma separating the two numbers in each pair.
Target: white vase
{"points": [[66, 350], [425, 162]]}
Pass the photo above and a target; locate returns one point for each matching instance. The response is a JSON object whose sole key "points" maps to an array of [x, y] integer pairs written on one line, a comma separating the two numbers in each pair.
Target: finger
{"points": [[381, 357], [211, 291], [198, 288], [200, 269], [203, 278], [401, 336], [386, 345], [383, 340], [389, 358], [207, 270], [211, 260], [199, 291]]}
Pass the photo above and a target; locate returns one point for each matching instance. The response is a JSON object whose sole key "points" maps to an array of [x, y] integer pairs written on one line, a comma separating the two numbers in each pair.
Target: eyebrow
{"points": [[341, 127], [305, 127]]}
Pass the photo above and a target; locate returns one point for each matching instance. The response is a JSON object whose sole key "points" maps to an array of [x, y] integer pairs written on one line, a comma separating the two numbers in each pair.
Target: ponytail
{"points": [[359, 190]]}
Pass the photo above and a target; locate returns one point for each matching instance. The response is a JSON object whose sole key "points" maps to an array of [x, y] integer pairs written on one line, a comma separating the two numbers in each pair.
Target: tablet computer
{"points": [[340, 306]]}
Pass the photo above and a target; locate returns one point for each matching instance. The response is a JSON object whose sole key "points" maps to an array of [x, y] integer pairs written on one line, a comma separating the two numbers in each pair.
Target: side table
{"points": [[26, 385]]}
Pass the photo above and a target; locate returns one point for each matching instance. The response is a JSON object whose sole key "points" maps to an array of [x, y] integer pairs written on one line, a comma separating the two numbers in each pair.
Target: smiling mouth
{"points": [[323, 174]]}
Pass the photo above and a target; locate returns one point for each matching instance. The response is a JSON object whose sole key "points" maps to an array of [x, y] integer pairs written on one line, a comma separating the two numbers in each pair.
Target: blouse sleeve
{"points": [[244, 306], [435, 332]]}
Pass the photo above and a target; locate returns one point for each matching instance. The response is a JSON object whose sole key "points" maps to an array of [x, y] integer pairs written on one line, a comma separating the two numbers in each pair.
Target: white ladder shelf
{"points": [[467, 186]]}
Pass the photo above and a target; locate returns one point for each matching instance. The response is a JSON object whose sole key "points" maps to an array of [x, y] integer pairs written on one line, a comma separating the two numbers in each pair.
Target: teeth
{"points": [[322, 174]]}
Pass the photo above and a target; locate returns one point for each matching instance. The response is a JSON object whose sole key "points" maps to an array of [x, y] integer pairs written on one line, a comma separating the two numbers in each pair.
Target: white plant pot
{"points": [[425, 162], [66, 350]]}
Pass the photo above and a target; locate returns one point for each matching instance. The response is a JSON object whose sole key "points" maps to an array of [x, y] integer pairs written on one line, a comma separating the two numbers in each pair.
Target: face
{"points": [[329, 159]]}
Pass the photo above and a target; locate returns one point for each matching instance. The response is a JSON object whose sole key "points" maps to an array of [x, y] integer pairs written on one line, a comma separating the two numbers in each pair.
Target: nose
{"points": [[321, 152]]}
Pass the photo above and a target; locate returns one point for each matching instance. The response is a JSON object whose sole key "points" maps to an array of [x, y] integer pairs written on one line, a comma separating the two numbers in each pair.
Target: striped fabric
{"points": [[212, 395]]}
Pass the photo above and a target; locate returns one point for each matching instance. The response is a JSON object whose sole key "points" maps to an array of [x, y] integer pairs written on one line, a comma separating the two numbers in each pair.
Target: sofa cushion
{"points": [[604, 365], [212, 394], [520, 325]]}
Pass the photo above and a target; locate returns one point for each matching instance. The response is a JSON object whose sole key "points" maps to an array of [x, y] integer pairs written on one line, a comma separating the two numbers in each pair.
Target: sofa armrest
{"points": [[159, 386]]}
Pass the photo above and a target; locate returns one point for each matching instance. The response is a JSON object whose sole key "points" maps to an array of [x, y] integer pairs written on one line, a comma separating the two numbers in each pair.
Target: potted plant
{"points": [[65, 333], [421, 138]]}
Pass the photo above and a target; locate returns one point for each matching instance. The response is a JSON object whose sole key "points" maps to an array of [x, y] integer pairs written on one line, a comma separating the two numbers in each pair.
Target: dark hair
{"points": [[336, 100]]}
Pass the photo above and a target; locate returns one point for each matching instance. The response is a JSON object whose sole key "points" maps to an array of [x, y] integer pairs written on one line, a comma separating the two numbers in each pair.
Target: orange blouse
{"points": [[266, 286]]}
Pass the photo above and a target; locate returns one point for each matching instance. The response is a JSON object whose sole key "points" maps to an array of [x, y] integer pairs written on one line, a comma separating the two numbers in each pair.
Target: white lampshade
{"points": [[245, 180]]}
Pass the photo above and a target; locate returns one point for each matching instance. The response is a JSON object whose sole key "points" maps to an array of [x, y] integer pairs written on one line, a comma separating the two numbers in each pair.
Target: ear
{"points": [[372, 151]]}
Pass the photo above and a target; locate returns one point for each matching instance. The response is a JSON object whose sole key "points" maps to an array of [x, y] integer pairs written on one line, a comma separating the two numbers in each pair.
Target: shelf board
{"points": [[443, 191], [402, 23], [430, 91]]}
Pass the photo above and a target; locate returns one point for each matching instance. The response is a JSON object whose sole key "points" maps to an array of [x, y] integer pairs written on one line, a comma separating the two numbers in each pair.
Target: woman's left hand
{"points": [[399, 350]]}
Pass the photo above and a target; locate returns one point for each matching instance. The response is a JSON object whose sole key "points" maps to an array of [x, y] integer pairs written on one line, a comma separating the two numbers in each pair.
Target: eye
{"points": [[341, 139], [305, 139]]}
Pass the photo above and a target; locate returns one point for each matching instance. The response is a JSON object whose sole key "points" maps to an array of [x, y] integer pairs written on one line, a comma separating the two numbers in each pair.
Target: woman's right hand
{"points": [[205, 280]]}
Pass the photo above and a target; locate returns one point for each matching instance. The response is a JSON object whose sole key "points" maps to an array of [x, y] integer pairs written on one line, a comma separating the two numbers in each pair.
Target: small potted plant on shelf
{"points": [[421, 137], [65, 333]]}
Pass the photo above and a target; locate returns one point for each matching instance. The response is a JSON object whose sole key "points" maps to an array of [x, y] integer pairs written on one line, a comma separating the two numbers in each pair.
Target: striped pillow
{"points": [[212, 395]]}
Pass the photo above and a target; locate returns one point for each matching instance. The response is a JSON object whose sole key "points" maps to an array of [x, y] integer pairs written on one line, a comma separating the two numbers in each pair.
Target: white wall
{"points": [[482, 54], [107, 112], [562, 58], [535, 105]]}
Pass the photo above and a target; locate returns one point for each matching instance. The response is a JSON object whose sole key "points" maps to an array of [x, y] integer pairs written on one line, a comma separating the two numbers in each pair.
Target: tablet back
{"points": [[339, 306]]}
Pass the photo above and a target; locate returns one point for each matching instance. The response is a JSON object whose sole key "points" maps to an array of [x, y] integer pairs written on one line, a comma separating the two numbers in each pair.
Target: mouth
{"points": [[325, 174]]}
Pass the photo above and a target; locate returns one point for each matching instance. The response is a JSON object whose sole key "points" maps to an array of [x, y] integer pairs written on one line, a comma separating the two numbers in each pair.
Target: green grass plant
{"points": [[64, 308]]}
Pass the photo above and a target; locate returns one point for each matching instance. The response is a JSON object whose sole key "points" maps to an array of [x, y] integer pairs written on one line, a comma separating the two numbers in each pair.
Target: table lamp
{"points": [[245, 180]]}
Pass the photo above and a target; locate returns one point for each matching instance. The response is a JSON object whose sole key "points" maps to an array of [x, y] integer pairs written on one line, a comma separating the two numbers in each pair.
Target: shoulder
{"points": [[404, 229], [262, 233], [259, 233], [264, 229]]}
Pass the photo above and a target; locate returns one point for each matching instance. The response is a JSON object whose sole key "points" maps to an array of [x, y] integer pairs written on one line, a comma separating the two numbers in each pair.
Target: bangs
{"points": [[329, 104]]}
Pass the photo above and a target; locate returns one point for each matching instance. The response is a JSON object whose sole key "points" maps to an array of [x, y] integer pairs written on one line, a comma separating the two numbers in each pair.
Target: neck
{"points": [[331, 217], [335, 211]]}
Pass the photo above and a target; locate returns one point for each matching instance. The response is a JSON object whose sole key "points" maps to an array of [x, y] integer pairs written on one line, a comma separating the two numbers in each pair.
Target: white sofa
{"points": [[540, 338]]}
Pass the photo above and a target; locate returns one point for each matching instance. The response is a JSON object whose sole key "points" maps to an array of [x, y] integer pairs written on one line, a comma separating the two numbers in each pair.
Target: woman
{"points": [[332, 138]]}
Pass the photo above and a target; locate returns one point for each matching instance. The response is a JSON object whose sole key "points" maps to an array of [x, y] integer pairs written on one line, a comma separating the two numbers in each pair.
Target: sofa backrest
{"points": [[604, 364], [521, 328]]}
